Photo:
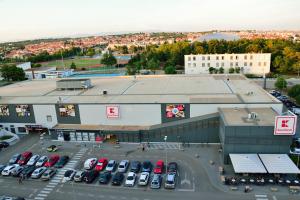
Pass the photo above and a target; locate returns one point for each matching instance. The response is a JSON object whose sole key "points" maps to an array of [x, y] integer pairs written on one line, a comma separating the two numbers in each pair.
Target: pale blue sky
{"points": [[27, 19]]}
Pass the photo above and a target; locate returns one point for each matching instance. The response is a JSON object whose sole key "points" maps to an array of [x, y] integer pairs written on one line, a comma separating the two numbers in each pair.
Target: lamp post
{"points": [[165, 138]]}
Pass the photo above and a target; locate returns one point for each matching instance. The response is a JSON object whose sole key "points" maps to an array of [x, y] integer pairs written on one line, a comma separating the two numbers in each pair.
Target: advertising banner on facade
{"points": [[285, 125], [112, 111]]}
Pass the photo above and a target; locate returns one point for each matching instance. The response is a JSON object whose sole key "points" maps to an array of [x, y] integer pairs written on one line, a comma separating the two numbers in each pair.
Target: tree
{"points": [[108, 59], [237, 70], [280, 83], [73, 66], [12, 73], [90, 52], [294, 91], [211, 70], [170, 70], [221, 70], [231, 70], [153, 64]]}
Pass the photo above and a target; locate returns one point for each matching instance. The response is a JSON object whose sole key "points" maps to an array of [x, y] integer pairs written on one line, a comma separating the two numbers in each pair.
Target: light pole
{"points": [[166, 137]]}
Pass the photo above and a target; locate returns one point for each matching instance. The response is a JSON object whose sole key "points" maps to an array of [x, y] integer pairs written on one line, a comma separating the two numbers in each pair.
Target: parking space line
{"points": [[45, 192], [42, 195], [39, 198], [48, 189]]}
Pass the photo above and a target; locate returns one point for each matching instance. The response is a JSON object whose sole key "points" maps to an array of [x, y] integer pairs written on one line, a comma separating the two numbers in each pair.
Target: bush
{"points": [[297, 98], [221, 70], [252, 76], [237, 70], [294, 91], [280, 83], [170, 70], [271, 75], [231, 70], [211, 70]]}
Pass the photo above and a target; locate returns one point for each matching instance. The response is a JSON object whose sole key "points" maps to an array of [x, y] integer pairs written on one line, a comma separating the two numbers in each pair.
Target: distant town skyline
{"points": [[33, 19]]}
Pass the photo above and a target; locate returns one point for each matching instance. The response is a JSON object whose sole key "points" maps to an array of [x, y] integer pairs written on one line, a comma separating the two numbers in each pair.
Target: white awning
{"points": [[279, 164], [247, 163]]}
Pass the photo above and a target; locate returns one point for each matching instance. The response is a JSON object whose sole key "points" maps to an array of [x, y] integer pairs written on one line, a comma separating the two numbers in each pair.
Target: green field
{"points": [[79, 62]]}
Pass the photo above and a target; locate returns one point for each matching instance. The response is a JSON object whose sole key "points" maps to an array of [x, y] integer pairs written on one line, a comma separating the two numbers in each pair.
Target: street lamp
{"points": [[166, 137]]}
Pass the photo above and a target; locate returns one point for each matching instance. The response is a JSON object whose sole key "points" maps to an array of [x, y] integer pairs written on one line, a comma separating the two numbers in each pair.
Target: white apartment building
{"points": [[249, 63]]}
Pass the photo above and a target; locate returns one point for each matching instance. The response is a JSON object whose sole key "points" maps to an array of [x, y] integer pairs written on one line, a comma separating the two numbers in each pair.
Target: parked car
{"points": [[90, 176], [42, 160], [123, 166], [25, 157], [14, 159], [79, 176], [172, 167], [7, 171], [90, 163], [27, 171], [62, 161], [52, 160], [16, 172], [144, 178], [156, 181], [135, 166], [105, 177], [48, 174], [52, 148], [33, 160], [37, 173], [4, 144], [69, 175], [101, 164], [117, 178], [111, 166], [159, 167], [130, 180], [147, 166], [170, 180], [2, 167]]}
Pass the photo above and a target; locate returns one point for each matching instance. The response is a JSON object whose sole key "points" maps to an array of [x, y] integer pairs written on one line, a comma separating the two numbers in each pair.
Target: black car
{"points": [[14, 159], [147, 166], [90, 176], [135, 166], [2, 168], [27, 171], [105, 177], [117, 178], [172, 167], [4, 145], [62, 161]]}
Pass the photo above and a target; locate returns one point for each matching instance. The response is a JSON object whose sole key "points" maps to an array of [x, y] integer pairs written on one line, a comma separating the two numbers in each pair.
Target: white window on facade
{"points": [[259, 64], [222, 57], [203, 64], [217, 65], [251, 57], [231, 64], [245, 64], [217, 57], [265, 63], [231, 57], [250, 64], [189, 64], [208, 64], [236, 57], [245, 57], [49, 118], [203, 57], [189, 58], [208, 57], [222, 64], [194, 64], [194, 58], [236, 64]]}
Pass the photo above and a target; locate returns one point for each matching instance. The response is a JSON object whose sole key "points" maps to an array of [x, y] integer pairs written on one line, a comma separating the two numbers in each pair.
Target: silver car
{"points": [[111, 166], [47, 175], [123, 166], [156, 181], [41, 161], [17, 171], [33, 160], [170, 180], [37, 173], [79, 176]]}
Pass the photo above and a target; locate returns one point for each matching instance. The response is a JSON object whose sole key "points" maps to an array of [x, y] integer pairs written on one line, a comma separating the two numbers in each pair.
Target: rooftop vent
{"points": [[104, 92], [66, 84], [252, 115]]}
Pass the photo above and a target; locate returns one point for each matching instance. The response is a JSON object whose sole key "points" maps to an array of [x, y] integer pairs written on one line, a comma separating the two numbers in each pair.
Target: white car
{"points": [[33, 160], [37, 173], [130, 180], [7, 171], [90, 163], [42, 160], [111, 165], [69, 175], [144, 178], [123, 166]]}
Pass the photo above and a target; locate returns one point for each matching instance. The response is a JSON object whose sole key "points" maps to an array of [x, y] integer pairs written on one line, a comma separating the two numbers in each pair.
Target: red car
{"points": [[52, 160], [25, 157], [159, 167], [101, 164]]}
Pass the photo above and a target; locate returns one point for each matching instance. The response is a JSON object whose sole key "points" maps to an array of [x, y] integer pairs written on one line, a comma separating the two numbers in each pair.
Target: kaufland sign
{"points": [[285, 125]]}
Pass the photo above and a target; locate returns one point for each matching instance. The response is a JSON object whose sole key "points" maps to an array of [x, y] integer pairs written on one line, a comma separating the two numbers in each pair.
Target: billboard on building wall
{"points": [[112, 111], [175, 111], [67, 110], [23, 110], [4, 110], [285, 125]]}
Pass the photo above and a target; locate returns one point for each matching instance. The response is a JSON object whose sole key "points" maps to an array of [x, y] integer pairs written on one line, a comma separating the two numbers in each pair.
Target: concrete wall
{"points": [[42, 111], [204, 109], [130, 114]]}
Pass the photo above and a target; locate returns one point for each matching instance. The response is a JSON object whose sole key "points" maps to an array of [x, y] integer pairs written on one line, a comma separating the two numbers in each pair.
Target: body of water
{"points": [[219, 36]]}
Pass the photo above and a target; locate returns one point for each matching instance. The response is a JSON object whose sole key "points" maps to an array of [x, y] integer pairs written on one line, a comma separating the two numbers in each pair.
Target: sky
{"points": [[33, 19]]}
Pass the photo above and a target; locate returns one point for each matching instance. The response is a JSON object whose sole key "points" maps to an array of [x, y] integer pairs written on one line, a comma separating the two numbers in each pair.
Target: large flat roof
{"points": [[239, 116], [142, 89], [247, 163], [279, 164]]}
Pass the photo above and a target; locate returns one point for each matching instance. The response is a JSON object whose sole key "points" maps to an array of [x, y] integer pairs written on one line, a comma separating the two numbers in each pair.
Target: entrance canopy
{"points": [[279, 164], [247, 163]]}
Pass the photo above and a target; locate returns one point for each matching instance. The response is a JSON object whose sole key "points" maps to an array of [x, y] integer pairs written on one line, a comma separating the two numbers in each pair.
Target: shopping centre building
{"points": [[227, 109]]}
